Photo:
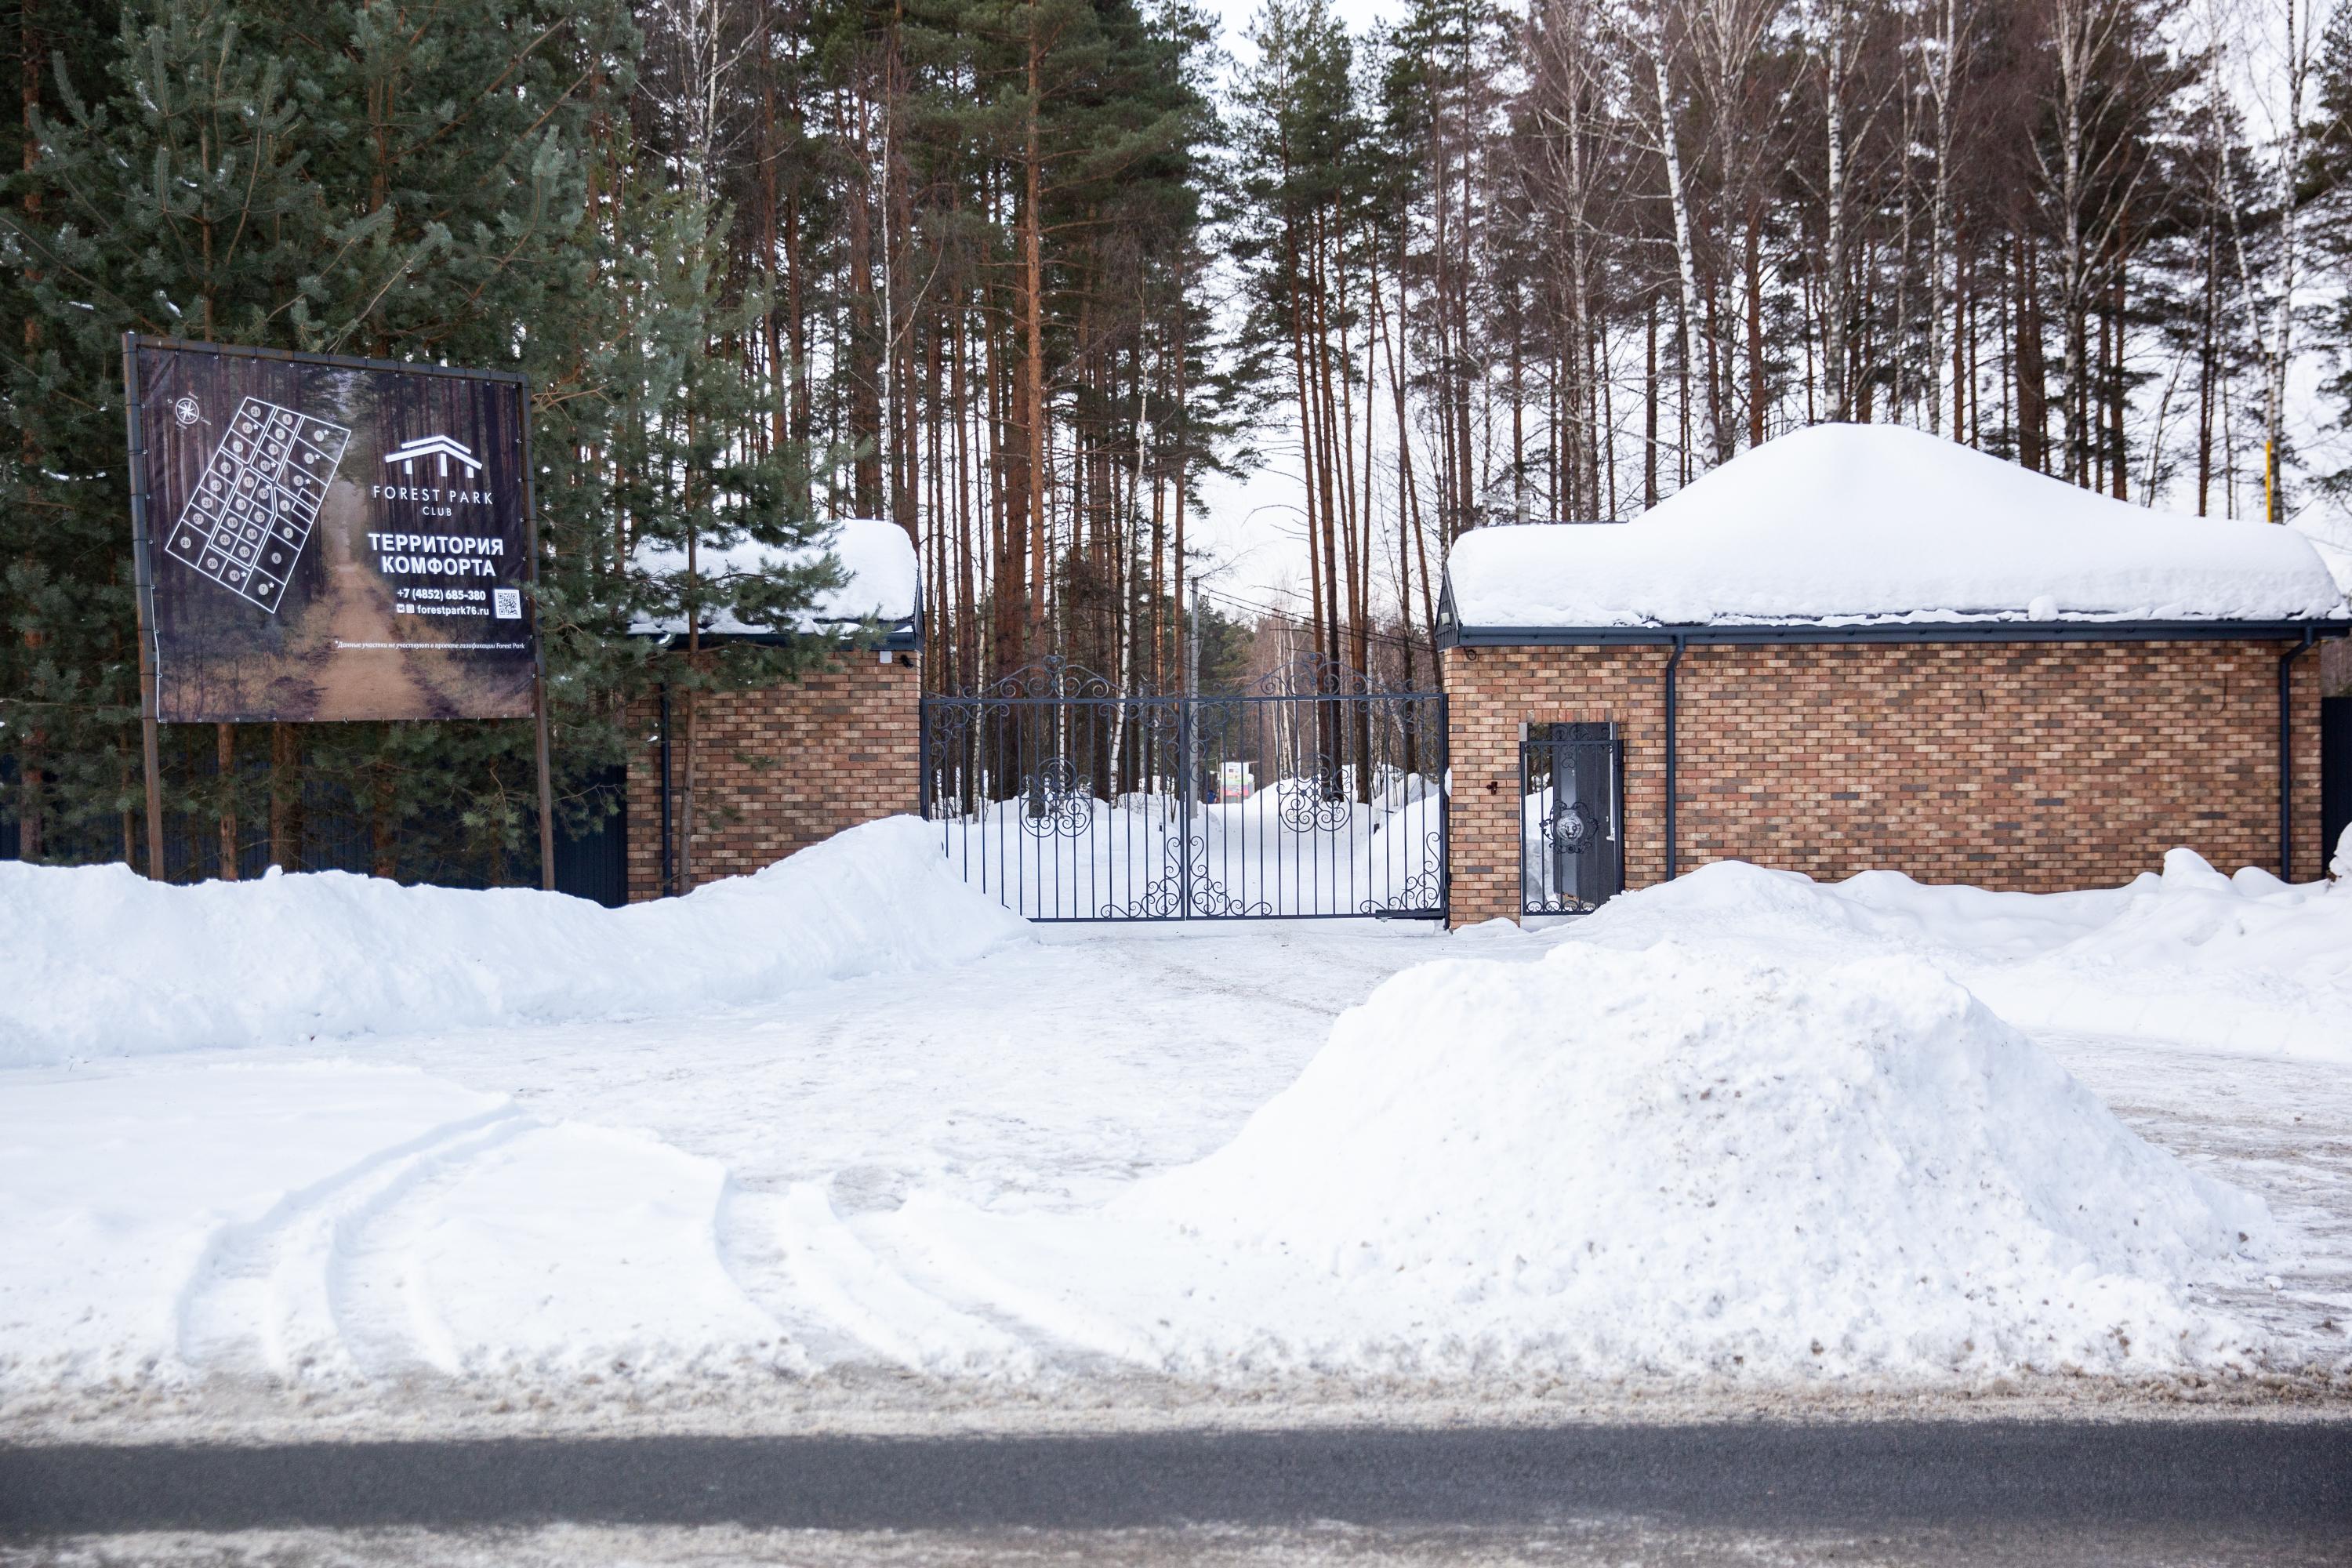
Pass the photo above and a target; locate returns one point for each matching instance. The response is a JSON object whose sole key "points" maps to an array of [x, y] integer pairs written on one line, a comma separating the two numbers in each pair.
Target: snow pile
{"points": [[1864, 522], [1673, 1163], [2190, 955], [97, 961], [880, 579]]}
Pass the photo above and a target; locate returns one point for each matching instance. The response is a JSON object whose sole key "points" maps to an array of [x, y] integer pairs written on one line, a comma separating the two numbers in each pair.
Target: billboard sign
{"points": [[331, 538]]}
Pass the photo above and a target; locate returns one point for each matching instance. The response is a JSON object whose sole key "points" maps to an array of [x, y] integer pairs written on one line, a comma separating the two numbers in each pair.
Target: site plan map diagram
{"points": [[249, 516]]}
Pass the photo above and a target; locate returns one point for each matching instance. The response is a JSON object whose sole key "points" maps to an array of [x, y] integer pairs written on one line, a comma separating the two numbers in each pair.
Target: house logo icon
{"points": [[440, 448]]}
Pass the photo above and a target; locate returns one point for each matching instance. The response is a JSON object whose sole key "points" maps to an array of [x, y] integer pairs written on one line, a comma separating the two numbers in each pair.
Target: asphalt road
{"points": [[2294, 1477]]}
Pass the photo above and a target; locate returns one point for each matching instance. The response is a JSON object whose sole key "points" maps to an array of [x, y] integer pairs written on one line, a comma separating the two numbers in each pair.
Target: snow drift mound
{"points": [[1673, 1164], [2242, 961], [97, 961]]}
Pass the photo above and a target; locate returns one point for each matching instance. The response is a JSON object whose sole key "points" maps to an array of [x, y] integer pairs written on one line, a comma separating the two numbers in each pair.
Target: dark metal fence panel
{"points": [[1311, 795], [337, 835], [2335, 772], [1571, 817], [593, 863]]}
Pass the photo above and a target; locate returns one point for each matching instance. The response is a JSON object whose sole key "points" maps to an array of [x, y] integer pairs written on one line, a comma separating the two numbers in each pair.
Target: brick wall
{"points": [[778, 768], [2022, 765]]}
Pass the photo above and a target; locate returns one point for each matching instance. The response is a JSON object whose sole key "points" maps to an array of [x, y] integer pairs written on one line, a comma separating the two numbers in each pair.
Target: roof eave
{"points": [[899, 637], [1894, 632]]}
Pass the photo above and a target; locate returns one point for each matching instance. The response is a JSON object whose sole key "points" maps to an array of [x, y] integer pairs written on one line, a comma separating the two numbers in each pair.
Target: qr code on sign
{"points": [[506, 604]]}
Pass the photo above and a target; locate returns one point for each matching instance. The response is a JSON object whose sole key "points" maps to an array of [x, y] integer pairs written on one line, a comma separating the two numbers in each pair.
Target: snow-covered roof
{"points": [[1855, 524], [879, 578], [2328, 526]]}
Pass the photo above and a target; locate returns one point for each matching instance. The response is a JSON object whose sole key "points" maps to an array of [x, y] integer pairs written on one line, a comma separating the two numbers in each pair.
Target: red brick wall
{"points": [[2022, 765], [778, 768]]}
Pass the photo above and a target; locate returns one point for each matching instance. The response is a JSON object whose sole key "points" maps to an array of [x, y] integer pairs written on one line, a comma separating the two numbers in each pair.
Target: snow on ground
{"points": [[1797, 529], [139, 1212], [2244, 962], [1664, 1161], [963, 1177], [98, 960]]}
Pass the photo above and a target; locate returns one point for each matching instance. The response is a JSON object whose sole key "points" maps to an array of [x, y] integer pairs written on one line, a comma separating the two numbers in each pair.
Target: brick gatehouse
{"points": [[2043, 736], [2029, 765]]}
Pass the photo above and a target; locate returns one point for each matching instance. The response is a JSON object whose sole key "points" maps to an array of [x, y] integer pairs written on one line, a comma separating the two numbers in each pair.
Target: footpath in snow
{"points": [[1741, 1132]]}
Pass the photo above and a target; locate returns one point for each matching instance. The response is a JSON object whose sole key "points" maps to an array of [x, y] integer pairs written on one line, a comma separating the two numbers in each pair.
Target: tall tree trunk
{"points": [[1834, 306], [2205, 365], [866, 336], [285, 797], [1033, 334], [1942, 73], [1686, 258], [1755, 284], [1650, 403], [224, 740], [2032, 384]]}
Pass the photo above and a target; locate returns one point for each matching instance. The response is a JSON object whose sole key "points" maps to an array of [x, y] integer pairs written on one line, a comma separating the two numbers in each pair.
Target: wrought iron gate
{"points": [[1571, 817], [1314, 793]]}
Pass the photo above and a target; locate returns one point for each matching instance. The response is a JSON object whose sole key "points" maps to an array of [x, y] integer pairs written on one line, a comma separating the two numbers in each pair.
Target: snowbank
{"points": [[96, 961], [1861, 523], [880, 579], [2190, 955], [1672, 1162]]}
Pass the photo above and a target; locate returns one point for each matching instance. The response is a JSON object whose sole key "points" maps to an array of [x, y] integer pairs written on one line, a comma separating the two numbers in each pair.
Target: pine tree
{"points": [[177, 203], [396, 180]]}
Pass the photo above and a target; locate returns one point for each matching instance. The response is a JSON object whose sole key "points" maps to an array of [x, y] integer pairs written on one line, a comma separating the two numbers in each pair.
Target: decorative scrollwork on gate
{"points": [[1315, 802], [1425, 889], [1055, 802], [1313, 674], [1168, 898], [1054, 678]]}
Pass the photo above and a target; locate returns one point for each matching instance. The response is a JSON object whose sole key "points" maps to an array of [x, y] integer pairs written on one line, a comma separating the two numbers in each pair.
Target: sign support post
{"points": [[142, 581], [539, 659]]}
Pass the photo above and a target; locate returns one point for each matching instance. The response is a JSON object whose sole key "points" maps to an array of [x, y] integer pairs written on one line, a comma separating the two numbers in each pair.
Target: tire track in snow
{"points": [[873, 1307], [262, 1297], [384, 1318]]}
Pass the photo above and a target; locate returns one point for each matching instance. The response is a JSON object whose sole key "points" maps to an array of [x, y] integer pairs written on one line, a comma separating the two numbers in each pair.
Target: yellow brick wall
{"points": [[778, 768], [2035, 766]]}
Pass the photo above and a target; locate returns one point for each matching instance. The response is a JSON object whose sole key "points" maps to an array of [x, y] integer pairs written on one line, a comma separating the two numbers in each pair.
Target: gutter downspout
{"points": [[2286, 753], [1673, 660]]}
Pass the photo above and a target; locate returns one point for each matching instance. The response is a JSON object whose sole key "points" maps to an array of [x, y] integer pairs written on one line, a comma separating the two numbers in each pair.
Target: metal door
{"points": [[1571, 817]]}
